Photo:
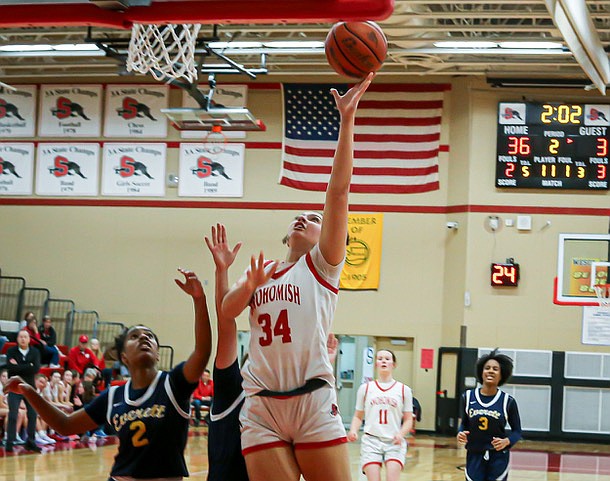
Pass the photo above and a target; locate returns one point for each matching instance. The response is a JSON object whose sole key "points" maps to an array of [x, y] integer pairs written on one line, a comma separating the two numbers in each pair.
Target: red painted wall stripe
{"points": [[301, 206]]}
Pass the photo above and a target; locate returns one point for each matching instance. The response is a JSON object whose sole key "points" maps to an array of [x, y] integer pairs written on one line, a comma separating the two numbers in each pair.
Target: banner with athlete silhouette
{"points": [[135, 111], [396, 137], [16, 168], [363, 252], [134, 169], [67, 169], [205, 172], [70, 111], [18, 112]]}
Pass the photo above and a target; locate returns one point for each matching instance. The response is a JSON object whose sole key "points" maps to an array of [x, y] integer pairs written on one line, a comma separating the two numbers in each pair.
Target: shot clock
{"points": [[553, 145], [505, 275]]}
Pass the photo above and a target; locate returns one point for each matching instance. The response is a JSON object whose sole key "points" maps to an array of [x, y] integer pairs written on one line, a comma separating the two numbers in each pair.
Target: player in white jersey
{"points": [[387, 407], [290, 420]]}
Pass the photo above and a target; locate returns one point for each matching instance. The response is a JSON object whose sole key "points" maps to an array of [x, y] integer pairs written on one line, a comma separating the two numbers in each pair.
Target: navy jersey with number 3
{"points": [[151, 423], [486, 417]]}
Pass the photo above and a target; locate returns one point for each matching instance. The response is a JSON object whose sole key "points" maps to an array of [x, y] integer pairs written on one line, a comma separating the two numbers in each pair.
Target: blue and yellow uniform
{"points": [[151, 423], [224, 439], [485, 417]]}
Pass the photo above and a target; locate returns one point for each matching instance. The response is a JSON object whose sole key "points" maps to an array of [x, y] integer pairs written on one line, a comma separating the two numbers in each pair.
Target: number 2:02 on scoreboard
{"points": [[553, 145]]}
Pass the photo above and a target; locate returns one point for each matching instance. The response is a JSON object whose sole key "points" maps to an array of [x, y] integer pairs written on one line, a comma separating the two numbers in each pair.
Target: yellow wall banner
{"points": [[363, 253]]}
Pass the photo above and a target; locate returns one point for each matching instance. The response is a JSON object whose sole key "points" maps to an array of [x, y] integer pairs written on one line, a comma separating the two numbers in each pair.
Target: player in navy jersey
{"points": [[226, 462], [150, 413], [485, 413]]}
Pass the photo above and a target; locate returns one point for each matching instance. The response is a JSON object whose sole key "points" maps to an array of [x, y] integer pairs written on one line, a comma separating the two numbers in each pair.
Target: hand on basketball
{"points": [[256, 275], [352, 436], [348, 103], [16, 385], [191, 285], [462, 437], [219, 247], [500, 443]]}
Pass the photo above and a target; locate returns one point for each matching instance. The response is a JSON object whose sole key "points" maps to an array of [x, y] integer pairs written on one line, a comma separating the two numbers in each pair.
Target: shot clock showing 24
{"points": [[553, 145]]}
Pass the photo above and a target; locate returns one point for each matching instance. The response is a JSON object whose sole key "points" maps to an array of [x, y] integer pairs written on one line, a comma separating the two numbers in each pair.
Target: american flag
{"points": [[396, 138]]}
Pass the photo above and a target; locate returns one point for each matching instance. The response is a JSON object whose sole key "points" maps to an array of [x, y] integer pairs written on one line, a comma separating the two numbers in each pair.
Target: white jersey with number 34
{"points": [[383, 405], [290, 318]]}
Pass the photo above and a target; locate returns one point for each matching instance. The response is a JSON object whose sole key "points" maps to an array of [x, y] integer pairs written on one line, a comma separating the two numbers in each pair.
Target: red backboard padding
{"points": [[196, 11]]}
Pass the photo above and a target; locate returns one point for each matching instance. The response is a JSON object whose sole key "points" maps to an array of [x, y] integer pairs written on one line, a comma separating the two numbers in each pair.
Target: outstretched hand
{"points": [[15, 385], [347, 104], [256, 275], [221, 252], [191, 285]]}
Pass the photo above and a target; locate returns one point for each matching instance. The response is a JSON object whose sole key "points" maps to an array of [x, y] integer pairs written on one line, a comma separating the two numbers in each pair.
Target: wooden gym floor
{"points": [[430, 458]]}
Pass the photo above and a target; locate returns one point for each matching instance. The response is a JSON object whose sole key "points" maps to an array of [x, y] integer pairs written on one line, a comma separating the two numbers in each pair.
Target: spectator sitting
{"points": [[42, 388], [4, 408], [67, 380], [48, 354], [56, 393], [81, 357], [203, 395], [28, 316], [47, 332], [3, 380], [111, 358], [94, 345], [3, 339], [89, 391]]}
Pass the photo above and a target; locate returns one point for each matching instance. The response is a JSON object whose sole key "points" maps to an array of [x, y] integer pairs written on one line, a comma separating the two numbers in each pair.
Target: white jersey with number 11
{"points": [[384, 405]]}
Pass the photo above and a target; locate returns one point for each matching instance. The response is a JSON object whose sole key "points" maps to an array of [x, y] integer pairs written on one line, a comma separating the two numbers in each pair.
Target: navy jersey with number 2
{"points": [[151, 423]]}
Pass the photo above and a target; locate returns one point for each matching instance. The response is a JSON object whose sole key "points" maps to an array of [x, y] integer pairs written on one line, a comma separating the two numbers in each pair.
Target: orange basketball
{"points": [[354, 49]]}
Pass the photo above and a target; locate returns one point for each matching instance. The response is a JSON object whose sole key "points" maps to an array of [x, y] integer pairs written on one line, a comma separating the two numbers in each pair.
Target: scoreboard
{"points": [[553, 145]]}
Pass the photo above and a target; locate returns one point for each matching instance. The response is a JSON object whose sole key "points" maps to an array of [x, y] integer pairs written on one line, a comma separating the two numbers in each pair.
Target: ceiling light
{"points": [[221, 45], [294, 44], [75, 47], [25, 48], [555, 45], [62, 47], [465, 44]]}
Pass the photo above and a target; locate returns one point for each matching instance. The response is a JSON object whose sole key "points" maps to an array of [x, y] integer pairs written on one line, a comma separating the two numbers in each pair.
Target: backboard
{"points": [[583, 261], [229, 119]]}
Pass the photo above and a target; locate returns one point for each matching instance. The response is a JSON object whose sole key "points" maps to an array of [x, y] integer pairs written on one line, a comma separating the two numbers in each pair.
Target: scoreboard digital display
{"points": [[553, 145]]}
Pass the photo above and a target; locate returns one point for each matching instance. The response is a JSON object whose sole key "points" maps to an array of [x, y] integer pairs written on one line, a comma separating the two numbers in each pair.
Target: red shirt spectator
{"points": [[32, 329], [80, 357], [205, 389]]}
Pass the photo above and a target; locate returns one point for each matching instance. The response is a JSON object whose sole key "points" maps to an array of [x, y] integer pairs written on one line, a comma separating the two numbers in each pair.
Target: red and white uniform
{"points": [[290, 318], [384, 405]]}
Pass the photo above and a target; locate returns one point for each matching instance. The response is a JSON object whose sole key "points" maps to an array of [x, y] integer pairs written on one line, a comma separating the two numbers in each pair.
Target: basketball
{"points": [[354, 49]]}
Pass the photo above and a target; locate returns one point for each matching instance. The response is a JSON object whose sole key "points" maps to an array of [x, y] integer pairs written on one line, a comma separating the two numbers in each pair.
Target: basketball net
{"points": [[215, 142], [164, 51], [602, 291]]}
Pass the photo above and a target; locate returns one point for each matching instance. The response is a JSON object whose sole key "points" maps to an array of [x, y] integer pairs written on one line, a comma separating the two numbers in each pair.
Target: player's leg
{"points": [[372, 472], [371, 457], [476, 467], [497, 466], [392, 470], [325, 464], [395, 456], [273, 463], [268, 456]]}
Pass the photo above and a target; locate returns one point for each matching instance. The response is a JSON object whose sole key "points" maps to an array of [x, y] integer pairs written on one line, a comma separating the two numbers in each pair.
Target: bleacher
{"points": [[17, 298]]}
